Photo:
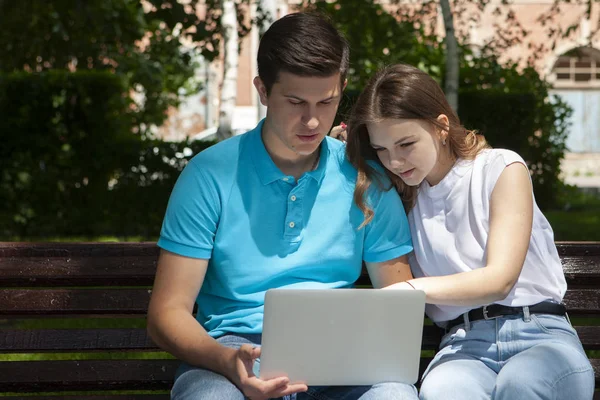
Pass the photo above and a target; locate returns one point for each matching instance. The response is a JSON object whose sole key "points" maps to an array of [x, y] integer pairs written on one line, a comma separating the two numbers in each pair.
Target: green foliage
{"points": [[527, 121], [110, 35], [377, 38], [69, 163]]}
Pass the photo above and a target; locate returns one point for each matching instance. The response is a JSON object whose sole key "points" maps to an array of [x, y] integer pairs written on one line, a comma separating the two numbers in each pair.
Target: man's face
{"points": [[300, 112]]}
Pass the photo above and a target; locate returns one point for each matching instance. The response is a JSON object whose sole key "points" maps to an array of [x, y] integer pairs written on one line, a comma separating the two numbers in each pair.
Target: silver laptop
{"points": [[342, 336]]}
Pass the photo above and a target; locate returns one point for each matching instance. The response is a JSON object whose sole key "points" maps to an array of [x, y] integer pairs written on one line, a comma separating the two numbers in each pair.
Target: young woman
{"points": [[483, 252]]}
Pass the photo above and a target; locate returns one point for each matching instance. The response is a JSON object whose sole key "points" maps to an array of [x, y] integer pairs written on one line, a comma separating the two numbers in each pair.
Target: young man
{"points": [[272, 208]]}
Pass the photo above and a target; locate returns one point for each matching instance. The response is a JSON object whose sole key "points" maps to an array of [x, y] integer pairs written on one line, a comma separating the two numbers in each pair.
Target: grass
{"points": [[575, 225]]}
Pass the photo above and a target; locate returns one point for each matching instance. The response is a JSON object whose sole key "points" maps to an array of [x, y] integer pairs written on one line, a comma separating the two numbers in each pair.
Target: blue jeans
{"points": [[516, 357], [196, 383]]}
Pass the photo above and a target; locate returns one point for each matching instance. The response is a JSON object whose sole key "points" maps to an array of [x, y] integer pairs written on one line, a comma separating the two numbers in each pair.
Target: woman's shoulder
{"points": [[490, 156]]}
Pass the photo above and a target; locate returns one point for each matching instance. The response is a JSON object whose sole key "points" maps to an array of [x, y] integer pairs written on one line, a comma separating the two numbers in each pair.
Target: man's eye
{"points": [[296, 103]]}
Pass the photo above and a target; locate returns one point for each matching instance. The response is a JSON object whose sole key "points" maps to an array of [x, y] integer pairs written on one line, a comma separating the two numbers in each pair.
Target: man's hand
{"points": [[254, 387]]}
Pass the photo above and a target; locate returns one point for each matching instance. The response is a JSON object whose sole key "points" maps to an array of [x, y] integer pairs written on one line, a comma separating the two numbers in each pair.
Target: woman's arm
{"points": [[511, 219]]}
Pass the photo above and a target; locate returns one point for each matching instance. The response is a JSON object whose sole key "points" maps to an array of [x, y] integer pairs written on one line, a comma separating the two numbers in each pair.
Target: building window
{"points": [[577, 68]]}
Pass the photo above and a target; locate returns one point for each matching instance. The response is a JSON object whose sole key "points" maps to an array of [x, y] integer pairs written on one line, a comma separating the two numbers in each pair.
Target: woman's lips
{"points": [[406, 174]]}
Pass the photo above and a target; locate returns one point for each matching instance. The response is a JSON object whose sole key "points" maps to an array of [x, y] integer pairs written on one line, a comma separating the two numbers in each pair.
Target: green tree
{"points": [[114, 35]]}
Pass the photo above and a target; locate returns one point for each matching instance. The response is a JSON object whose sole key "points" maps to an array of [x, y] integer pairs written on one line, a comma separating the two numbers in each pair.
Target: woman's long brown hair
{"points": [[401, 91]]}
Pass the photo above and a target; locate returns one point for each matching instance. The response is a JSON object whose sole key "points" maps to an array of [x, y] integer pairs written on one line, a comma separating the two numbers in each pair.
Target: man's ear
{"points": [[261, 89], [345, 84]]}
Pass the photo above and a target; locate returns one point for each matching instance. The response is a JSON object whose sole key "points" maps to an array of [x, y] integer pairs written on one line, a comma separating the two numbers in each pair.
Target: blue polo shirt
{"points": [[261, 229]]}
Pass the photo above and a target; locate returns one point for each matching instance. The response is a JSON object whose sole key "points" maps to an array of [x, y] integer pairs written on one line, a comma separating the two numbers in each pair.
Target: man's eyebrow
{"points": [[291, 96]]}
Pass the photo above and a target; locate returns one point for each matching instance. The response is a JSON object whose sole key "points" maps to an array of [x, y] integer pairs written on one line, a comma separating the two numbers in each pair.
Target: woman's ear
{"points": [[443, 133]]}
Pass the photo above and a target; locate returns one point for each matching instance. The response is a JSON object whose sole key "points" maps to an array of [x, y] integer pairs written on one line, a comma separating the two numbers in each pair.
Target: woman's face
{"points": [[410, 148]]}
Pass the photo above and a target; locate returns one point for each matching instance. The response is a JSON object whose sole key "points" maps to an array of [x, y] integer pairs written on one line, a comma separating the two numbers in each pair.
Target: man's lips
{"points": [[308, 138]]}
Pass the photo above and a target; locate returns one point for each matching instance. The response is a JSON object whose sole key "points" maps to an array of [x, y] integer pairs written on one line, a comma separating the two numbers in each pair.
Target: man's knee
{"points": [[196, 383]]}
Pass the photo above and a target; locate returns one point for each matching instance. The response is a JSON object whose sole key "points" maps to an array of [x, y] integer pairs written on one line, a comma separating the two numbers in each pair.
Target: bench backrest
{"points": [[72, 317]]}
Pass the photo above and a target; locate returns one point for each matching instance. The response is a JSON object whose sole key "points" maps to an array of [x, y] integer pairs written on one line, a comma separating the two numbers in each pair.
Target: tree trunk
{"points": [[230, 69], [452, 61]]}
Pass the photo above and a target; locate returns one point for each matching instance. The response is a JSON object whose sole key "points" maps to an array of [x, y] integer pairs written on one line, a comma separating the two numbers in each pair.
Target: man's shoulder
{"points": [[220, 157], [337, 157]]}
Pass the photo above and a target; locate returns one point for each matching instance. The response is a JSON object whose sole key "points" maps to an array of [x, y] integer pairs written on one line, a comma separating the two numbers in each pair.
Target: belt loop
{"points": [[526, 315], [568, 319], [467, 322]]}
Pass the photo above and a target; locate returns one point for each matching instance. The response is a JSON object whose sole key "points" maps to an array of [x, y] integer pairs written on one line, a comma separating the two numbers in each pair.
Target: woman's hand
{"points": [[339, 132]]}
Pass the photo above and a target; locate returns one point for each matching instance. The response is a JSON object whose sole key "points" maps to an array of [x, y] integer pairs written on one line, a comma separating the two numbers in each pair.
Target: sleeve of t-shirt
{"points": [[498, 160], [387, 236], [192, 215]]}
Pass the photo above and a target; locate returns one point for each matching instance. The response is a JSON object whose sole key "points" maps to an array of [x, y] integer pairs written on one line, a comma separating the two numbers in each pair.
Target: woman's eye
{"points": [[407, 144], [378, 149]]}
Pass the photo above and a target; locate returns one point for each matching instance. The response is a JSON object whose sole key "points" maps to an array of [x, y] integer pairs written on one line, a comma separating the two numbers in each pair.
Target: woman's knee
{"points": [[550, 370], [458, 379]]}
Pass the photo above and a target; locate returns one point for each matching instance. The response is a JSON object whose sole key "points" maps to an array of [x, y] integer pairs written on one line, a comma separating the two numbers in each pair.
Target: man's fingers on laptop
{"points": [[258, 389], [249, 352], [291, 389]]}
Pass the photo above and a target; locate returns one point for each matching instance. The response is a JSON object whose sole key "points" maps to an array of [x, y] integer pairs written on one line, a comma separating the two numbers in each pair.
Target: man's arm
{"points": [[389, 272], [173, 327], [170, 321]]}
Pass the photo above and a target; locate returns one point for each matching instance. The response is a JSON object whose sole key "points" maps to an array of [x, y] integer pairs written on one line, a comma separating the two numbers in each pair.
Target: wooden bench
{"points": [[84, 304]]}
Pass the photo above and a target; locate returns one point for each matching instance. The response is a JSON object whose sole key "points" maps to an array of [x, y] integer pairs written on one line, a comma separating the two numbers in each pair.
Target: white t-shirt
{"points": [[450, 225]]}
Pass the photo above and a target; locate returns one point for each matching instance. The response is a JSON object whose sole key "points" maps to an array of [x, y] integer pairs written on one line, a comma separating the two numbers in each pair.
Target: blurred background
{"points": [[102, 102]]}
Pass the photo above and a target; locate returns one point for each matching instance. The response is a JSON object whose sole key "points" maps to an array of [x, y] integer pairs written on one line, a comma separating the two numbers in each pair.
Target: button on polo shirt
{"points": [[261, 229]]}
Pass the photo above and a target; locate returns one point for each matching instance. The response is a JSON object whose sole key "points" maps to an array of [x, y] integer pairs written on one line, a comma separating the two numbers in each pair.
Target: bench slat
{"points": [[47, 302], [107, 375], [41, 340], [566, 249], [24, 376], [77, 249], [97, 397], [583, 301], [123, 264], [77, 271], [21, 302]]}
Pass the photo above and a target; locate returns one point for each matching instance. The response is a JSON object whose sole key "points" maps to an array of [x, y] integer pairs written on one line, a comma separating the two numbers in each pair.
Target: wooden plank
{"points": [[574, 249], [99, 249], [98, 396], [40, 340], [30, 376], [585, 302], [77, 249], [49, 302], [130, 339], [589, 336], [136, 270], [582, 271]]}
